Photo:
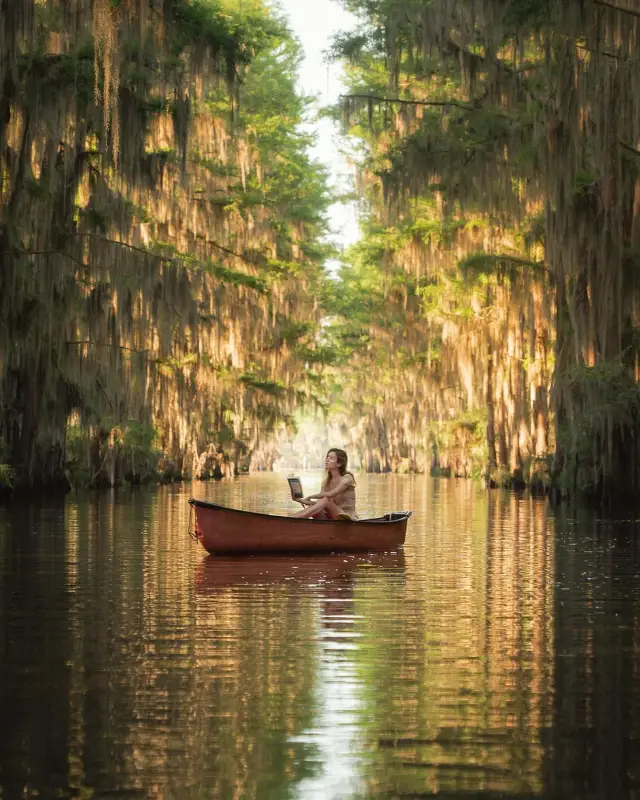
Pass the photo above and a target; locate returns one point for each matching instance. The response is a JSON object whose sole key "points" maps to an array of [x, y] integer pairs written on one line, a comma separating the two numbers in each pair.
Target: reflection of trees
{"points": [[259, 656], [114, 679], [34, 648], [459, 703], [501, 659], [256, 681], [130, 622], [596, 722], [197, 694]]}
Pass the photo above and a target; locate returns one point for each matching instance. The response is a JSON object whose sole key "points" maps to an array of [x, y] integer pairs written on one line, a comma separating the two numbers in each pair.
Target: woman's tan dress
{"points": [[346, 500]]}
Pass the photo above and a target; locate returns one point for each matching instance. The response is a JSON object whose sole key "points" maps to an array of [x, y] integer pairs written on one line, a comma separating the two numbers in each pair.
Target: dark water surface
{"points": [[497, 656]]}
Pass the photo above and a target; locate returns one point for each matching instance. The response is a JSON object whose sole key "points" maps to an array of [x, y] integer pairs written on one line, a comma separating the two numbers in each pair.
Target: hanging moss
{"points": [[133, 301], [523, 117]]}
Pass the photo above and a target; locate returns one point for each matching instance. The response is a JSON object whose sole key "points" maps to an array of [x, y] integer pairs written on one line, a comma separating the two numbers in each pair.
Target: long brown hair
{"points": [[343, 460]]}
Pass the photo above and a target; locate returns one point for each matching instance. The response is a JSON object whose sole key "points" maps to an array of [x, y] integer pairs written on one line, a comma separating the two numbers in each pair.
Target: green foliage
{"points": [[252, 381], [604, 406], [289, 185], [78, 465], [451, 298], [291, 332], [226, 435], [534, 231], [129, 451], [223, 273], [534, 14], [97, 221], [460, 445], [610, 384], [537, 473], [349, 46], [7, 477], [49, 75], [499, 477], [138, 452], [503, 264], [585, 183], [36, 189], [445, 162], [233, 35]]}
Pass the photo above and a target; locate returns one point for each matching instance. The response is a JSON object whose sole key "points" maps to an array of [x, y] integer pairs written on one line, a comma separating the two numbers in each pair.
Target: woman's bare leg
{"points": [[316, 509], [323, 506]]}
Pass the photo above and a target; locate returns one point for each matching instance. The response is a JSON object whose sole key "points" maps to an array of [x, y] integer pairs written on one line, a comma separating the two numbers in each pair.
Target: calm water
{"points": [[497, 656]]}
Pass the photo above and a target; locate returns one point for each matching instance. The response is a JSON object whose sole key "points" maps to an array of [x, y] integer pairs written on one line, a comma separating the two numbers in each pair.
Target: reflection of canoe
{"points": [[219, 572], [228, 530]]}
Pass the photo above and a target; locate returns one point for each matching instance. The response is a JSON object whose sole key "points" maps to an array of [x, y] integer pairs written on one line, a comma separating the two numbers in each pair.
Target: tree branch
{"points": [[108, 344], [141, 250], [614, 7], [402, 101], [20, 252], [629, 148], [167, 259], [468, 263], [230, 252], [601, 52]]}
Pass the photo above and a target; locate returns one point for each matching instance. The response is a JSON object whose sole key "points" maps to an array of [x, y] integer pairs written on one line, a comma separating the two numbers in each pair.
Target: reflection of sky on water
{"points": [[336, 732]]}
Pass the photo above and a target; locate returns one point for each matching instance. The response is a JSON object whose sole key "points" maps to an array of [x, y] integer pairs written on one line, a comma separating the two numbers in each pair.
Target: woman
{"points": [[337, 499]]}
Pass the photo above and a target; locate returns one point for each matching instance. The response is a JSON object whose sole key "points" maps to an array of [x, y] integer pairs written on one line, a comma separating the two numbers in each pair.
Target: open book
{"points": [[296, 487]]}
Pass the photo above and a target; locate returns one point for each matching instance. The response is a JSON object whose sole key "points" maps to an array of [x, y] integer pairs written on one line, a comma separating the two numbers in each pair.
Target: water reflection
{"points": [[498, 655], [320, 570], [596, 724], [287, 624], [464, 700]]}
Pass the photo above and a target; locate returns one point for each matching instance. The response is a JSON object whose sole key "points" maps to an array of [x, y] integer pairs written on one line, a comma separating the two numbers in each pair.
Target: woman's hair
{"points": [[343, 460]]}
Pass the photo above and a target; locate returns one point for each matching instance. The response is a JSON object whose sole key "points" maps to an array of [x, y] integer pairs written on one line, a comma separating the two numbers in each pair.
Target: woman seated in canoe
{"points": [[337, 498]]}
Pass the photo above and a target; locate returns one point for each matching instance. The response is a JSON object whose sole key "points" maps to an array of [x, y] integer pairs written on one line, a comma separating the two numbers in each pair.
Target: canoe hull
{"points": [[228, 530]]}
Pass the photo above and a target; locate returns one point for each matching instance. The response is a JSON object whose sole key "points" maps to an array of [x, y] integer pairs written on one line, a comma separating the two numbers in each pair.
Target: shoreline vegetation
{"points": [[139, 468], [166, 308], [492, 303], [162, 236]]}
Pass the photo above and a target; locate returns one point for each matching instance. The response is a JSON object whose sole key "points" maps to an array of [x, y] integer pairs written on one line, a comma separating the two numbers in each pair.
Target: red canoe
{"points": [[228, 530]]}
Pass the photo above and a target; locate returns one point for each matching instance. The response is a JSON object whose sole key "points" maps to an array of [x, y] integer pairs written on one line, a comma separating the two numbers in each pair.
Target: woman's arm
{"points": [[344, 483]]}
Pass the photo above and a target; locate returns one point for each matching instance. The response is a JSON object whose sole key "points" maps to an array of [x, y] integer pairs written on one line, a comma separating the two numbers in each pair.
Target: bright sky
{"points": [[314, 22]]}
